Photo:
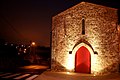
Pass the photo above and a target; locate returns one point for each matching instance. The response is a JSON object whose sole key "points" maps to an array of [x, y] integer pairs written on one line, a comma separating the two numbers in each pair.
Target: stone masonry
{"points": [[100, 34]]}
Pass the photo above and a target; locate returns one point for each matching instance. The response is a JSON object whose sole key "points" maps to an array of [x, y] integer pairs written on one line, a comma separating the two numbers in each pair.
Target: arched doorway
{"points": [[82, 60]]}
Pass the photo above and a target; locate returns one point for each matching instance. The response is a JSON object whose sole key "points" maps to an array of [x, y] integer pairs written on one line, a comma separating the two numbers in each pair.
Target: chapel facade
{"points": [[85, 40]]}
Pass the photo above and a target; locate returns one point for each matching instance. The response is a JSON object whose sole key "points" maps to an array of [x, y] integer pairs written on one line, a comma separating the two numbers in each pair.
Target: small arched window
{"points": [[83, 25]]}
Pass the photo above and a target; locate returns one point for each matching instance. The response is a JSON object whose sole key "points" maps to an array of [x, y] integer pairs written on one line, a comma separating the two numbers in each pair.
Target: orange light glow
{"points": [[33, 43], [34, 67]]}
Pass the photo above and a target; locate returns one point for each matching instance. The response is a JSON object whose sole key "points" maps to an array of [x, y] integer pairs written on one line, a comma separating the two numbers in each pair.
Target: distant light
{"points": [[20, 49], [22, 45], [11, 44], [6, 44], [33, 43], [18, 53], [16, 47], [24, 49]]}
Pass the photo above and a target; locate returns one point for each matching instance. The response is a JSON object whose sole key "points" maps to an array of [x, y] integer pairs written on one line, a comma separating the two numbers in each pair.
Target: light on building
{"points": [[118, 28], [69, 63], [68, 72]]}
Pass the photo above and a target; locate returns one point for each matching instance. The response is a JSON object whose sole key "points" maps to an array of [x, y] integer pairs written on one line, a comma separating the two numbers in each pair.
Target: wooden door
{"points": [[82, 60]]}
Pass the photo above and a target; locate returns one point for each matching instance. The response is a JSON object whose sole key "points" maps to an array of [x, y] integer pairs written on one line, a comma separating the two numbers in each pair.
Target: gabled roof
{"points": [[82, 4]]}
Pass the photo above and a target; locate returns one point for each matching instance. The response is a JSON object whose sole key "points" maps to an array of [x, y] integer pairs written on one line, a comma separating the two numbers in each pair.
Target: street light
{"points": [[32, 52], [33, 44]]}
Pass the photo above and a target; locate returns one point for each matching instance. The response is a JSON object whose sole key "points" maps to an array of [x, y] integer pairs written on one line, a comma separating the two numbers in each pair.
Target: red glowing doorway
{"points": [[82, 60]]}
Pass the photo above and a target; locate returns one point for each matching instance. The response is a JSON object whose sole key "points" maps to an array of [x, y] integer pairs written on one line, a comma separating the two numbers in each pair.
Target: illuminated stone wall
{"points": [[100, 35]]}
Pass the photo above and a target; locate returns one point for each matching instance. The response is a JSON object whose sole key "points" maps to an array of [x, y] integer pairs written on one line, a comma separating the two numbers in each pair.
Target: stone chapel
{"points": [[85, 40]]}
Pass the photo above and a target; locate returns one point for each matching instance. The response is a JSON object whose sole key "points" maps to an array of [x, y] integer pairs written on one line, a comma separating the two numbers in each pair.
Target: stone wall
{"points": [[100, 33]]}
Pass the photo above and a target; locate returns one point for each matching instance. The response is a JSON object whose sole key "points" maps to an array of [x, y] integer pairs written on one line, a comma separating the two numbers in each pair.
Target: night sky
{"points": [[22, 21]]}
